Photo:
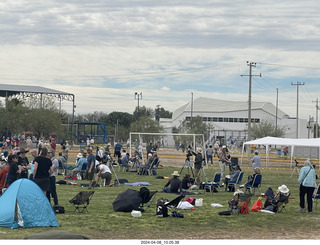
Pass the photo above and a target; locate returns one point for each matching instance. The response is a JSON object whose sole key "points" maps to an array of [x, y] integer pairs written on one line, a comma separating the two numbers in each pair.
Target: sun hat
{"points": [[199, 150], [283, 189], [79, 155], [224, 147], [175, 173]]}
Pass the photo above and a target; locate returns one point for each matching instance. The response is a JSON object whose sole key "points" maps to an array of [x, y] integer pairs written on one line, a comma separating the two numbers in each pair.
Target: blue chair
{"points": [[154, 165], [315, 197], [214, 184], [235, 183], [256, 184]]}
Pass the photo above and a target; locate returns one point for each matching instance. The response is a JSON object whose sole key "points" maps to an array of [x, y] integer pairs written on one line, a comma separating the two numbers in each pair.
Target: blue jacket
{"points": [[307, 179]]}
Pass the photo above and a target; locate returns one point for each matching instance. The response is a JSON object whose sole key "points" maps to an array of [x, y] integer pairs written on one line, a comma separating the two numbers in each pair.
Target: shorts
{"points": [[90, 176], [43, 183]]}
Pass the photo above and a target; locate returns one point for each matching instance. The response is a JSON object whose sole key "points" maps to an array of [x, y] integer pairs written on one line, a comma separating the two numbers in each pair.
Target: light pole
{"points": [[138, 96], [158, 113]]}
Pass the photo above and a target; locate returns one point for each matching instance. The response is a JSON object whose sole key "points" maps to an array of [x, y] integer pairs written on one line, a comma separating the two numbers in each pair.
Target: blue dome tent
{"points": [[24, 204]]}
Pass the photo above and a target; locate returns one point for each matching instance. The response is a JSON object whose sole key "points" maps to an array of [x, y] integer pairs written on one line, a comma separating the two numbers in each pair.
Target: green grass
{"points": [[201, 223]]}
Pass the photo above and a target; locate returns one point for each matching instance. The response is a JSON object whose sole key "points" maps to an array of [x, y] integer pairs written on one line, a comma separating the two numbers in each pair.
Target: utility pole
{"points": [[191, 110], [317, 109], [250, 64], [297, 124], [276, 133]]}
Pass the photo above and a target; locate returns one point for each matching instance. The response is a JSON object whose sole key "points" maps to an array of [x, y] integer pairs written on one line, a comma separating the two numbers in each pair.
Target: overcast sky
{"points": [[105, 51]]}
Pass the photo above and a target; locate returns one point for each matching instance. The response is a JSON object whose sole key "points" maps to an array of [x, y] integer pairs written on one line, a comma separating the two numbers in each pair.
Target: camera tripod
{"points": [[187, 164], [295, 169]]}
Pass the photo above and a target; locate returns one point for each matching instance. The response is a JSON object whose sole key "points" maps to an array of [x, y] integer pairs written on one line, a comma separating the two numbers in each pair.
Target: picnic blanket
{"points": [[137, 183]]}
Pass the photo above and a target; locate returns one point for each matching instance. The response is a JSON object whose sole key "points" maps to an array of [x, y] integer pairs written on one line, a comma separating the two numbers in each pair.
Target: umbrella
{"points": [[127, 201]]}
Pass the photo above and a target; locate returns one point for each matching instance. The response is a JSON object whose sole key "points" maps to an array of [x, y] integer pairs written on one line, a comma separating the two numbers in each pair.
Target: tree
{"points": [[267, 128], [147, 125], [143, 112], [193, 125], [162, 113]]}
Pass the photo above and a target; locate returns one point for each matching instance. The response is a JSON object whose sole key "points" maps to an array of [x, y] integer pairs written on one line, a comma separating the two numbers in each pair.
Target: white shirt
{"points": [[104, 169]]}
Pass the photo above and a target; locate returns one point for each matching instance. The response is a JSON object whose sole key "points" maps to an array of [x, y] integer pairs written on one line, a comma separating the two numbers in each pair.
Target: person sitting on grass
{"points": [[175, 184], [188, 183]]}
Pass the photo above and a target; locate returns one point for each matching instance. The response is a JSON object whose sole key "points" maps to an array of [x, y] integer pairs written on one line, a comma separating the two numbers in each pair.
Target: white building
{"points": [[229, 119]]}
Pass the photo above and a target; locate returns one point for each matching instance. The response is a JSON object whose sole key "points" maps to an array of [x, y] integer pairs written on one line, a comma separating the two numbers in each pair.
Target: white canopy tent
{"points": [[267, 141]]}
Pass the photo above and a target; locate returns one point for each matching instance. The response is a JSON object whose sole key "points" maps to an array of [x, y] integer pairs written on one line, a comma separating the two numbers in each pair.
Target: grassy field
{"points": [[201, 223]]}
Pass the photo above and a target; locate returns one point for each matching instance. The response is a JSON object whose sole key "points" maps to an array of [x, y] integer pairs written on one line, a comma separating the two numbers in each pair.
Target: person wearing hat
{"points": [[14, 170], [82, 158], [307, 182], [197, 165], [23, 163], [174, 183], [256, 161], [91, 167]]}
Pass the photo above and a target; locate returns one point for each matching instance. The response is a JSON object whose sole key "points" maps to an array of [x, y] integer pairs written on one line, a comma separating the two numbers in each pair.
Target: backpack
{"points": [[58, 209], [162, 211]]}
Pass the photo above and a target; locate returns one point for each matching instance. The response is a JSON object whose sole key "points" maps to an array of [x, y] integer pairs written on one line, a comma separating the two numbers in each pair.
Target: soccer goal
{"points": [[167, 140]]}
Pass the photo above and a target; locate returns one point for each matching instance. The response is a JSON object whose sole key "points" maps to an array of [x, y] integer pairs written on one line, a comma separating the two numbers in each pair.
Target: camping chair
{"points": [[82, 200], [235, 183], [278, 202], [154, 165], [147, 197], [173, 205], [214, 184], [256, 184], [315, 197]]}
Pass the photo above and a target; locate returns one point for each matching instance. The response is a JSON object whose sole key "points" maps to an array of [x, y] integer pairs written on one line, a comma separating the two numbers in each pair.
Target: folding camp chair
{"points": [[256, 184], [173, 205], [214, 184], [235, 183], [154, 165], [147, 198], [82, 200], [315, 197], [277, 202]]}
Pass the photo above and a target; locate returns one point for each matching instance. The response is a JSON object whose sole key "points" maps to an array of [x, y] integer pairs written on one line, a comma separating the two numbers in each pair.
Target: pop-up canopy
{"points": [[267, 141]]}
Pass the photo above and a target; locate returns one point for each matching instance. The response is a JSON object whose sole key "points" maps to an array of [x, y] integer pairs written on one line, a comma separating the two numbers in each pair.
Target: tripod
{"points": [[110, 163], [187, 164], [295, 169]]}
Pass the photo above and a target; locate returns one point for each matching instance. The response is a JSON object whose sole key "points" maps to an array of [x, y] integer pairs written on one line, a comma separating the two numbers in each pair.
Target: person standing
{"points": [[197, 165], [91, 161], [55, 167], [307, 182], [42, 170], [14, 170], [209, 153], [53, 144], [23, 163], [256, 161], [223, 160]]}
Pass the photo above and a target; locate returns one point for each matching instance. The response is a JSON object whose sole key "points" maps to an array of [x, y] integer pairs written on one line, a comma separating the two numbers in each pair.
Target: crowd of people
{"points": [[44, 165]]}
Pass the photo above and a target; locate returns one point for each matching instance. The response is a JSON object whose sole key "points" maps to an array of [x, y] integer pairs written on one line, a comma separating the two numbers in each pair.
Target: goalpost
{"points": [[168, 140]]}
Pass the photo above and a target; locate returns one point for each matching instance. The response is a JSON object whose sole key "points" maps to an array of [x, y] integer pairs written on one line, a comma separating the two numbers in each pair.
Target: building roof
{"points": [[205, 105], [7, 90]]}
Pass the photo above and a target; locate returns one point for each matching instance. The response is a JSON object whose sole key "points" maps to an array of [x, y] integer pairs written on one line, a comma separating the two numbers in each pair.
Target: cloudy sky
{"points": [[105, 51]]}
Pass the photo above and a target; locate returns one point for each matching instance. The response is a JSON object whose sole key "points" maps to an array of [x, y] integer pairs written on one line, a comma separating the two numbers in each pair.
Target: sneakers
{"points": [[89, 188], [241, 186], [301, 210]]}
